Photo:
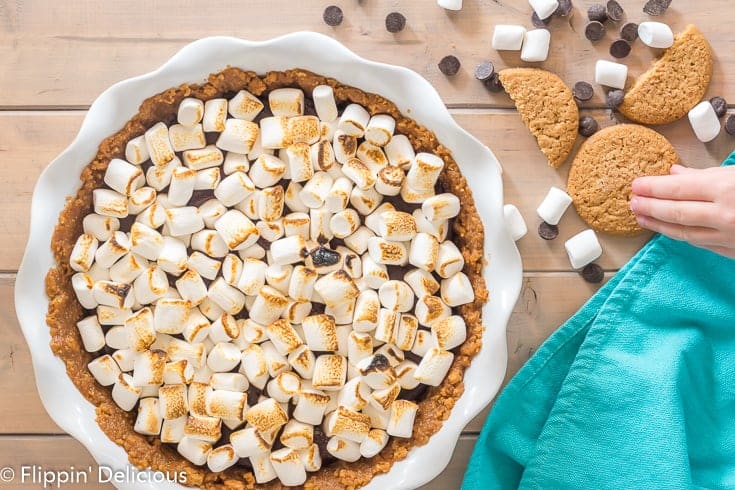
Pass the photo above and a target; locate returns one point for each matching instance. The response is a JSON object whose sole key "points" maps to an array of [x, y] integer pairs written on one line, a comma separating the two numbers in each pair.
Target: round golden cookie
{"points": [[547, 107], [602, 172], [674, 84]]}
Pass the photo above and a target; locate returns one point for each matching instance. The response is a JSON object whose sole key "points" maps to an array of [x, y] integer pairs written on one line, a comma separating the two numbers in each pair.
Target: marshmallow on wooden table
{"points": [[583, 248], [421, 282], [343, 449], [190, 112], [100, 227], [238, 136], [508, 37], [554, 205], [244, 105], [136, 150], [544, 8], [123, 177], [110, 203], [187, 137], [515, 222], [288, 466], [286, 102], [268, 306], [401, 419], [611, 74], [159, 146], [354, 120], [536, 45], [656, 34], [324, 103], [704, 121]]}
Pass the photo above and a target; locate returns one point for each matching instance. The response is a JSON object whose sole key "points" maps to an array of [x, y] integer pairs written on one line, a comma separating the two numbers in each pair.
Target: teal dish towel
{"points": [[635, 391]]}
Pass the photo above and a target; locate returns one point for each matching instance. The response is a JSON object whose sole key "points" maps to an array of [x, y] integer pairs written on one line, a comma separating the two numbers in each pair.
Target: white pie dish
{"points": [[413, 95]]}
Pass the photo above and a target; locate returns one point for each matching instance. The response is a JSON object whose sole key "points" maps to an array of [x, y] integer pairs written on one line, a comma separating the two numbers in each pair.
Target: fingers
{"points": [[724, 251], [696, 235], [680, 169], [689, 213], [684, 186]]}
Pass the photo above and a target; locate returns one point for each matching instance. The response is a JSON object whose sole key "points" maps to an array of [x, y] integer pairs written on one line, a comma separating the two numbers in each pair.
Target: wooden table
{"points": [[57, 56]]}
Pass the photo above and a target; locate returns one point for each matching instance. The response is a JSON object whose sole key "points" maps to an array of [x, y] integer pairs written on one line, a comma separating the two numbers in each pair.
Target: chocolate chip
{"points": [[656, 7], [547, 231], [333, 16], [730, 125], [484, 70], [449, 65], [629, 32], [614, 11], [597, 13], [719, 105], [594, 30], [593, 273], [583, 91], [588, 126], [615, 98], [564, 8], [620, 48], [324, 257], [540, 23], [493, 83], [395, 22]]}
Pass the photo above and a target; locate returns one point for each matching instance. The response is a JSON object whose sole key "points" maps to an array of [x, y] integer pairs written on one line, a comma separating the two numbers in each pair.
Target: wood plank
{"points": [[34, 138], [66, 53], [62, 453]]}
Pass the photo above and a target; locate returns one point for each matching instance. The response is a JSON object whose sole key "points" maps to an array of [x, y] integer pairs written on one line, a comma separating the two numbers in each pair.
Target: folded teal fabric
{"points": [[635, 391]]}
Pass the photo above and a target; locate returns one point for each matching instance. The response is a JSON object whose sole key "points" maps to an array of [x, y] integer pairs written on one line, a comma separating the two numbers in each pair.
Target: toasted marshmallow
{"points": [[274, 132], [148, 422], [251, 332], [316, 191], [91, 333], [123, 177], [187, 137], [142, 329], [390, 180], [437, 229], [330, 372], [178, 372], [245, 105], [338, 195], [100, 227], [302, 361], [262, 468], [248, 442], [424, 171], [296, 224], [159, 146], [344, 449], [365, 201], [153, 216], [310, 407], [238, 136], [173, 401], [183, 221], [342, 313], [374, 274], [414, 196], [301, 284], [430, 309], [422, 282], [197, 397], [266, 416], [296, 311], [109, 315], [344, 146], [236, 230], [173, 257], [253, 364], [83, 286], [104, 369], [148, 368], [358, 241], [380, 129], [449, 261], [279, 277], [226, 297], [125, 393], [344, 223], [336, 287], [271, 230], [194, 449], [320, 333], [359, 173], [288, 250], [113, 249], [449, 332], [172, 430], [268, 306], [377, 371], [285, 339], [110, 203], [197, 327], [203, 428], [141, 199], [354, 120], [441, 206], [221, 458], [286, 102], [252, 277], [203, 265], [374, 219], [424, 252], [99, 273], [457, 290], [182, 186], [387, 252], [396, 226], [288, 466], [191, 111], [145, 241], [225, 404], [383, 399], [405, 372], [321, 155], [230, 382], [171, 315], [270, 203], [136, 150], [402, 416], [354, 396], [324, 103], [375, 441], [234, 188], [284, 386], [224, 329], [237, 162], [319, 229], [434, 366], [311, 458], [303, 129], [209, 242], [150, 285], [194, 354], [266, 171], [118, 337], [387, 327], [359, 346], [399, 151], [348, 424], [372, 156], [396, 295]]}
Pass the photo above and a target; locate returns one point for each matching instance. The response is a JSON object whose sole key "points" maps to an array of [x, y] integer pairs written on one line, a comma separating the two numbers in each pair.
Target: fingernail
{"points": [[641, 220], [634, 203]]}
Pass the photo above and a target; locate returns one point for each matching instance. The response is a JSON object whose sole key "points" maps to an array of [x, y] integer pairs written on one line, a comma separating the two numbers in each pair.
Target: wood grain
{"points": [[65, 53], [33, 139]]}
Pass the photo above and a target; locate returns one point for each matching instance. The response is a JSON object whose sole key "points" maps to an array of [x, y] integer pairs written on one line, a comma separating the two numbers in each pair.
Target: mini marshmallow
{"points": [[234, 188], [245, 105], [208, 157], [544, 8], [293, 200], [396, 295], [402, 415], [197, 397], [159, 177], [252, 277], [372, 156], [449, 260], [355, 395], [91, 333], [124, 392], [704, 121], [173, 256], [224, 329], [123, 177], [414, 196], [430, 309], [159, 146], [284, 337], [387, 252], [554, 205], [508, 37], [173, 401], [656, 34], [383, 399], [343, 449], [434, 366], [262, 468], [176, 372], [182, 186], [171, 315], [344, 223], [311, 458], [100, 227], [266, 416], [226, 297], [153, 216], [377, 439], [205, 266], [221, 458], [406, 332], [536, 44], [303, 129], [336, 287], [112, 250], [310, 407], [115, 294], [207, 179], [268, 306], [300, 168], [183, 221], [358, 241], [328, 129], [237, 162], [296, 311], [438, 229], [194, 354], [301, 285], [136, 150], [611, 74], [399, 151], [377, 371], [150, 285], [380, 129], [194, 450], [422, 282], [330, 372], [288, 250], [324, 103], [387, 327], [266, 171], [302, 360], [238, 136], [104, 369], [236, 230], [108, 315], [449, 332], [457, 290], [286, 102], [127, 268], [284, 386], [374, 273], [314, 192], [274, 132], [249, 205], [172, 430], [145, 241], [253, 364], [141, 199], [365, 201], [319, 229], [215, 114], [396, 226], [348, 424], [271, 203], [190, 111], [378, 417], [148, 422], [321, 155], [359, 346], [389, 181], [583, 248], [440, 207], [359, 173], [197, 327], [288, 467], [354, 120], [424, 171], [344, 146], [514, 222], [270, 230], [374, 219], [424, 252], [187, 138], [83, 285], [223, 357], [320, 333], [203, 428], [230, 405], [110, 203], [118, 337], [248, 442]]}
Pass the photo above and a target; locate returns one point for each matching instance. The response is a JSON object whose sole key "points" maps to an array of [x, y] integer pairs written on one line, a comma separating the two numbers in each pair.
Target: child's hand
{"points": [[696, 206]]}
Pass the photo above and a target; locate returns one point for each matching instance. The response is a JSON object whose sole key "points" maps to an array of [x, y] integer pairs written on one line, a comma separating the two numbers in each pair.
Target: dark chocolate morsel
{"points": [[484, 70], [629, 32], [324, 257], [588, 126], [547, 231], [333, 16], [583, 91], [593, 273], [615, 98], [620, 48], [719, 105], [614, 11], [540, 23], [493, 83], [597, 13], [449, 65], [564, 8], [730, 125], [395, 22], [656, 7], [594, 30]]}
